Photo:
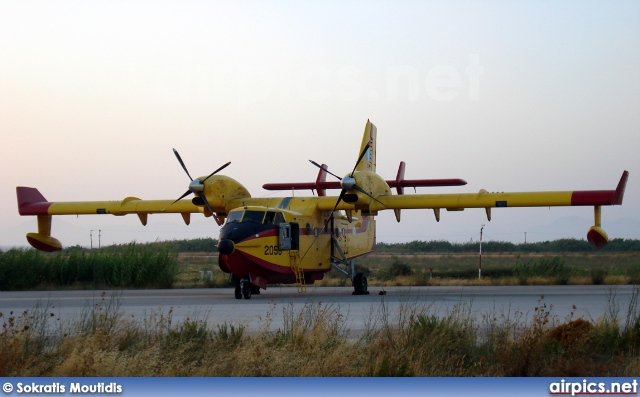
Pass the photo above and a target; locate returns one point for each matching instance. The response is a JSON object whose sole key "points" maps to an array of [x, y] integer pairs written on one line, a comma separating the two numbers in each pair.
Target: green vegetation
{"points": [[542, 267], [193, 245], [497, 269], [315, 341], [194, 263], [556, 246], [132, 266]]}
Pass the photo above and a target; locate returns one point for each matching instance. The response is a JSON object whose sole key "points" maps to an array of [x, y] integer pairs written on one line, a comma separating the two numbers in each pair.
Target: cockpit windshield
{"points": [[264, 217], [253, 216], [235, 216]]}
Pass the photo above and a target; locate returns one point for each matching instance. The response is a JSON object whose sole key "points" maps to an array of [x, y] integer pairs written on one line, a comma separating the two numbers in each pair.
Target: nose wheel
{"points": [[245, 289]]}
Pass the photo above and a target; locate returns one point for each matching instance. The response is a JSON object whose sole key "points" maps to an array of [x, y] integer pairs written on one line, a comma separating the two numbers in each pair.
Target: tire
{"points": [[247, 291], [360, 284], [238, 292]]}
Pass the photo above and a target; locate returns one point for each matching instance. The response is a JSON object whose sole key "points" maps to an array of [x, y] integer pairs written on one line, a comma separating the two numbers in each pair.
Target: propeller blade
{"points": [[204, 198], [342, 193], [182, 163], [216, 171], [364, 151], [188, 192], [197, 188], [206, 203], [361, 190], [324, 169]]}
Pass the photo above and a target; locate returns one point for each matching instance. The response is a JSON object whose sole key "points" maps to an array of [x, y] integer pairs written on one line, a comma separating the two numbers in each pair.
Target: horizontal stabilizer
{"points": [[321, 184]]}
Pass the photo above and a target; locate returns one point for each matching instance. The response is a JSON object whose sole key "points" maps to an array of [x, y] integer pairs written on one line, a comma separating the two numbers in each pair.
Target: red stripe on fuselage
{"points": [[240, 263]]}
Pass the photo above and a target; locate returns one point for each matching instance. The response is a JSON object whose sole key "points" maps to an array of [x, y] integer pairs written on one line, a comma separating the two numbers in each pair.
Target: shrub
{"points": [[542, 267], [133, 266]]}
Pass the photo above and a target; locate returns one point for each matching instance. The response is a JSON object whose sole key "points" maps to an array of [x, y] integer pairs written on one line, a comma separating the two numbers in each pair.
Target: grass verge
{"points": [[315, 341]]}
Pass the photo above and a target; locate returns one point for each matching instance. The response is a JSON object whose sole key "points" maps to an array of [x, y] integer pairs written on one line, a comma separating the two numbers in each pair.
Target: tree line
{"points": [[561, 245]]}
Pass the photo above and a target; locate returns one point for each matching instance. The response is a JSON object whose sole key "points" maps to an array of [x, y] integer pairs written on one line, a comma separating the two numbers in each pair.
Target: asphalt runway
{"points": [[271, 308]]}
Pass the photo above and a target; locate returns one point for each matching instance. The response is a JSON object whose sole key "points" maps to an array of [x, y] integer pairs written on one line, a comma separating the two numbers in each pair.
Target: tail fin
{"points": [[368, 163]]}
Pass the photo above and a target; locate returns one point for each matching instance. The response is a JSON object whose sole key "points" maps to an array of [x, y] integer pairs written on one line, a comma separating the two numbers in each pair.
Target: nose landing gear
{"points": [[246, 289]]}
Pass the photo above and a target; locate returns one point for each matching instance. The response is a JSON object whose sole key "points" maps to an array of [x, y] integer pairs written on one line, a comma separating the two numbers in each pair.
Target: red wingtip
{"points": [[29, 195], [619, 194], [31, 201]]}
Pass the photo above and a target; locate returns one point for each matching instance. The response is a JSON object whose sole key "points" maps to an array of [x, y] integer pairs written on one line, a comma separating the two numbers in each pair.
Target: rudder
{"points": [[368, 163]]}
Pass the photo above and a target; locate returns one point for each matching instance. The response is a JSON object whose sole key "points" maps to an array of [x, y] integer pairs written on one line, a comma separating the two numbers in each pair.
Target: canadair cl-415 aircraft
{"points": [[297, 240]]}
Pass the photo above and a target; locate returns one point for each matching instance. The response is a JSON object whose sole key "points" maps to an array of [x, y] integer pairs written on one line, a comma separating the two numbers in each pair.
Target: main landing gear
{"points": [[360, 284], [347, 269]]}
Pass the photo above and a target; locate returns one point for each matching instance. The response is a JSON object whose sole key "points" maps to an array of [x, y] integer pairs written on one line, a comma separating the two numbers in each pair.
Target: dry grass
{"points": [[314, 341], [616, 280]]}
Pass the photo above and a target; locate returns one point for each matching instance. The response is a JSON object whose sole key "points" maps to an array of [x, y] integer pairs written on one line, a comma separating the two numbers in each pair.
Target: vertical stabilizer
{"points": [[368, 163]]}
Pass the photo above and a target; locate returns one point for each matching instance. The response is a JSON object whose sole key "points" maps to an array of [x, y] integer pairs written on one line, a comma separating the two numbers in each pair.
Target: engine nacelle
{"points": [[219, 189]]}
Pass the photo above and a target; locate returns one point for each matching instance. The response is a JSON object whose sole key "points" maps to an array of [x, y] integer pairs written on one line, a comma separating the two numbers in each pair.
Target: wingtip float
{"points": [[299, 239]]}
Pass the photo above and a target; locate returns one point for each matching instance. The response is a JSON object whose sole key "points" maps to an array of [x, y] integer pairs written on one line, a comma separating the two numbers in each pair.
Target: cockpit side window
{"points": [[235, 216], [279, 218], [268, 220], [253, 216]]}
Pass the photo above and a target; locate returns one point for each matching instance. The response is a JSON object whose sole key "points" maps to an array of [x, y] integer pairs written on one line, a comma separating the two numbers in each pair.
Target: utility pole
{"points": [[91, 237], [480, 257], [525, 237], [99, 235]]}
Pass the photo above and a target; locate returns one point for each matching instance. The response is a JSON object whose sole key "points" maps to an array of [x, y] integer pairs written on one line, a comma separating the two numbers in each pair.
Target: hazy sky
{"points": [[508, 95]]}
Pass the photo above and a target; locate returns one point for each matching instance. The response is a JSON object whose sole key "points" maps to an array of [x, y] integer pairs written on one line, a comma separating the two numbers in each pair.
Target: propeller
{"points": [[197, 186], [347, 183]]}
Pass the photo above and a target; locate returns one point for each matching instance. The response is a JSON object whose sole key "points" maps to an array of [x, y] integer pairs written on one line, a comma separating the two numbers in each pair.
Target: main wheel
{"points": [[238, 292], [360, 284]]}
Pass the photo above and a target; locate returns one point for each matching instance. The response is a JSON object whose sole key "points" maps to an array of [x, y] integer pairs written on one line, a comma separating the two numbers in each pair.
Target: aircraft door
{"points": [[343, 239], [289, 236]]}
